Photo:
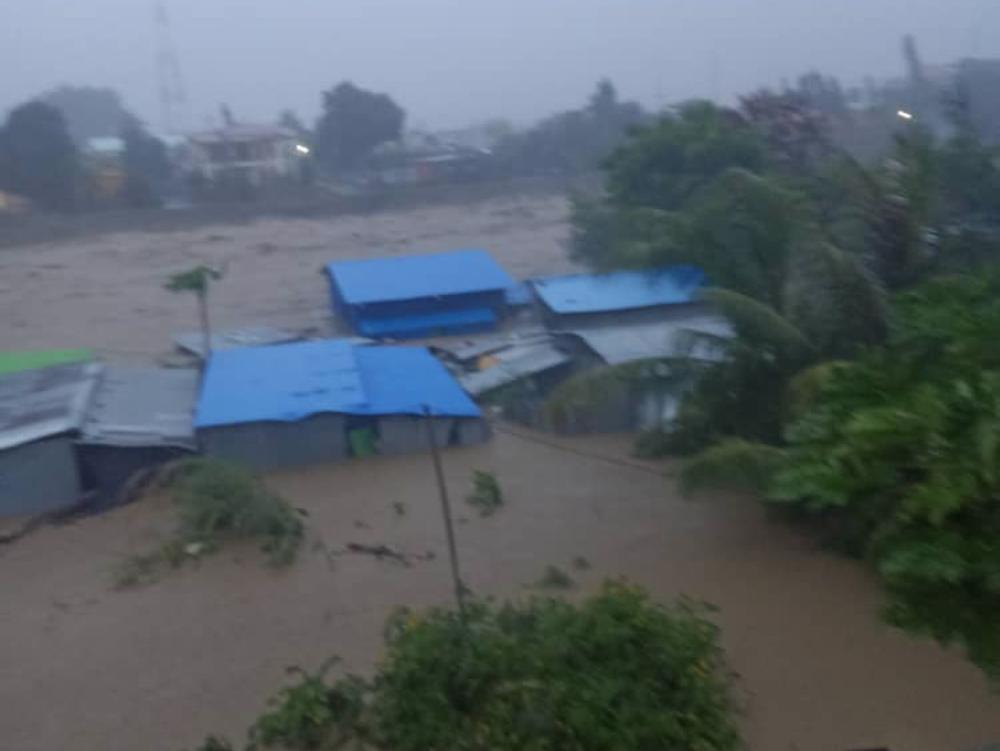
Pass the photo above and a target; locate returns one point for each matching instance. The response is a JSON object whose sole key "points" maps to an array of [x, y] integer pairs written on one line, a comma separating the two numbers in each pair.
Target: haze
{"points": [[453, 62]]}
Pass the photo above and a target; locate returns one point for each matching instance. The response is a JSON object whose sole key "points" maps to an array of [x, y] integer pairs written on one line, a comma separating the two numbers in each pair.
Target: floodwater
{"points": [[90, 668], [107, 292]]}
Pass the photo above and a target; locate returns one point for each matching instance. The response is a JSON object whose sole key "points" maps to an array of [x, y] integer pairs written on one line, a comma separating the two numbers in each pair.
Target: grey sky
{"points": [[451, 62]]}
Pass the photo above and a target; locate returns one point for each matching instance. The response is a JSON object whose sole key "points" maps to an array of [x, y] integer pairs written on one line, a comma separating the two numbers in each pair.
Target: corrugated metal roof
{"points": [[621, 290], [290, 382], [13, 362], [35, 404], [414, 277], [251, 336], [243, 132], [627, 343], [143, 407], [513, 364], [466, 350]]}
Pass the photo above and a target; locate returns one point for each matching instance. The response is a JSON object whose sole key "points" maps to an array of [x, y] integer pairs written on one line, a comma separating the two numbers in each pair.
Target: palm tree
{"points": [[198, 280], [793, 299]]}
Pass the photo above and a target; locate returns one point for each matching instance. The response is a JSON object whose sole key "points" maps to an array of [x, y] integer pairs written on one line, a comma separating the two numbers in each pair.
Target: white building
{"points": [[257, 153]]}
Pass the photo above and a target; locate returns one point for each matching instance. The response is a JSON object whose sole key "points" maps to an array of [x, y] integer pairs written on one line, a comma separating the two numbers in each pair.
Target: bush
{"points": [[486, 494], [617, 671], [217, 501]]}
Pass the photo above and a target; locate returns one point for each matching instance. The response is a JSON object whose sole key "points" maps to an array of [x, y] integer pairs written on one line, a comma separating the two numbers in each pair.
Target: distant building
{"points": [[418, 296], [41, 410], [255, 154], [309, 402], [12, 203]]}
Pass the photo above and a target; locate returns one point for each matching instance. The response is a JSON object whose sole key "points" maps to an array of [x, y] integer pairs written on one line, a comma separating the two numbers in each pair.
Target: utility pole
{"points": [[446, 513]]}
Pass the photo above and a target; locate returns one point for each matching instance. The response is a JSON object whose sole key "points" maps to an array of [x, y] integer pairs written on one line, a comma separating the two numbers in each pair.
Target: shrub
{"points": [[217, 501], [486, 494], [555, 578]]}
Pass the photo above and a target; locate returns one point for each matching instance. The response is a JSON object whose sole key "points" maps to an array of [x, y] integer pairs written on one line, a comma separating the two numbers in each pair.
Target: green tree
{"points": [[147, 166], [899, 456], [353, 123], [37, 156], [198, 281], [575, 141], [90, 111], [616, 671]]}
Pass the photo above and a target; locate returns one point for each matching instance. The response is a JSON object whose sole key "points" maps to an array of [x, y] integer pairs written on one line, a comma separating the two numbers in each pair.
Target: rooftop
{"points": [[14, 362], [143, 407], [413, 277], [43, 402], [242, 132], [617, 345], [291, 382], [620, 290]]}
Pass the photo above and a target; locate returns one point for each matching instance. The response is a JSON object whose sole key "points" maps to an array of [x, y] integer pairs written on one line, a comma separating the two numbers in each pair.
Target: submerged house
{"points": [[41, 411], [138, 418], [418, 296], [319, 401], [619, 297]]}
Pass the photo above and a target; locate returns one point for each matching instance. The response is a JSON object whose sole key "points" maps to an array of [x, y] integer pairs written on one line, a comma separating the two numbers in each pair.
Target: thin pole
{"points": [[206, 328], [446, 512]]}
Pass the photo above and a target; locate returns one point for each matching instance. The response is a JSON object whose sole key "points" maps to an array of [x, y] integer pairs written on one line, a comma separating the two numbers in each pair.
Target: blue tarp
{"points": [[290, 382], [415, 277], [427, 324], [621, 290]]}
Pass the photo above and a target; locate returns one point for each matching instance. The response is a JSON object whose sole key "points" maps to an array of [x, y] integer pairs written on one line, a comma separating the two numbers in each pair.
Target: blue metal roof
{"points": [[401, 380], [620, 290], [290, 382], [427, 324], [414, 277]]}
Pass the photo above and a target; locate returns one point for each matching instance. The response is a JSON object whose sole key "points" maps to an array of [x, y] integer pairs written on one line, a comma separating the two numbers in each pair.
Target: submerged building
{"points": [[41, 411], [417, 296], [319, 401]]}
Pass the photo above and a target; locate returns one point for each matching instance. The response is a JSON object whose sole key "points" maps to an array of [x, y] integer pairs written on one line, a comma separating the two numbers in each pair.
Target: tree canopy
{"points": [[353, 123], [90, 111], [574, 141], [615, 671], [37, 156], [147, 166]]}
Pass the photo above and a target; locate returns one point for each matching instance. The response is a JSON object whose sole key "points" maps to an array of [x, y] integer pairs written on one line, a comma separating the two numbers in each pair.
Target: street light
{"points": [[302, 148], [904, 115]]}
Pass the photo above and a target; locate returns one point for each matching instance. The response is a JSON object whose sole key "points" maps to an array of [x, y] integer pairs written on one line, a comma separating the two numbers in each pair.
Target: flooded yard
{"points": [[90, 668]]}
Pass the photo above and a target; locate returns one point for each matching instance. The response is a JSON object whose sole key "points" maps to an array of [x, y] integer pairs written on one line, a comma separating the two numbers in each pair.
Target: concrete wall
{"points": [[38, 477], [274, 445]]}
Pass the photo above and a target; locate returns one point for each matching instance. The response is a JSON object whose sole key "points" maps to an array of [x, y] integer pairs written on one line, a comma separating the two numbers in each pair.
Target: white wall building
{"points": [[258, 153]]}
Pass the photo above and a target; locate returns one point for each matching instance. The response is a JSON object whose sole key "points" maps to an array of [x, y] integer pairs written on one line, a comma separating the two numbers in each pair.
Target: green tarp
{"points": [[14, 362]]}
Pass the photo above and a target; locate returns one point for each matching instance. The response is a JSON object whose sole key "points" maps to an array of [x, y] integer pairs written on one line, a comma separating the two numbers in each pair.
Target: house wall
{"points": [[273, 445], [495, 301], [405, 434], [38, 477], [276, 445]]}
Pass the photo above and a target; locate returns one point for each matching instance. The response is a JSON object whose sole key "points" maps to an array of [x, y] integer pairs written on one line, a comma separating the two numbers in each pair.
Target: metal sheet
{"points": [[414, 277], [151, 407], [251, 336], [39, 403], [513, 364], [621, 290], [617, 345]]}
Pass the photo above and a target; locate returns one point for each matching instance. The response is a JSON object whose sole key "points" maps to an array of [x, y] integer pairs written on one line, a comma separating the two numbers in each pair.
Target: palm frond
{"points": [[758, 324], [731, 464]]}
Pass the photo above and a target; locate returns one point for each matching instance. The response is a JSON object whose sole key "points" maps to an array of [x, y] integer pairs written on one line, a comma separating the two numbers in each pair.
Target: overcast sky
{"points": [[453, 62]]}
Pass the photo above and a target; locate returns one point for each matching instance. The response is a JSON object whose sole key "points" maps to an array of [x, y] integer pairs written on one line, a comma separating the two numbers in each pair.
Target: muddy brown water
{"points": [[107, 292], [89, 668]]}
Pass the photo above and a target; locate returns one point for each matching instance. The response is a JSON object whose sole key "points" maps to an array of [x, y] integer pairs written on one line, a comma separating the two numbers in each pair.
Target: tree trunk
{"points": [[206, 329]]}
